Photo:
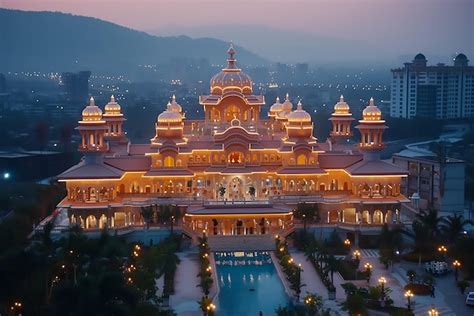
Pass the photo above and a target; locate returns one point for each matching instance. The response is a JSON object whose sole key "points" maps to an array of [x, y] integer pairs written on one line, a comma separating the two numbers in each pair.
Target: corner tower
{"points": [[341, 120], [371, 128], [92, 129], [114, 120]]}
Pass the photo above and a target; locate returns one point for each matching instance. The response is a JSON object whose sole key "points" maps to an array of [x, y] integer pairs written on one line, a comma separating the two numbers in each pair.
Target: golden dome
{"points": [[91, 112], [299, 115], [276, 107], [372, 112], [231, 78], [169, 116], [112, 108], [175, 106], [341, 107], [287, 106]]}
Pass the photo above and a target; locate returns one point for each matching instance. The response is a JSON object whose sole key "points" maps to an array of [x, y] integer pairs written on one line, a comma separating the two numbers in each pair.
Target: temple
{"points": [[236, 171]]}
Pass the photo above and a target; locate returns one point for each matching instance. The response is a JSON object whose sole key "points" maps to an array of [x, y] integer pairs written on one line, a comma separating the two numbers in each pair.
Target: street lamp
{"points": [[368, 268], [357, 255], [443, 250], [347, 242], [456, 265], [382, 282], [409, 295], [433, 312]]}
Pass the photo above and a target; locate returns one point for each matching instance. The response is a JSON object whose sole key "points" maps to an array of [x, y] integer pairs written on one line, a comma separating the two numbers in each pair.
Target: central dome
{"points": [[231, 78]]}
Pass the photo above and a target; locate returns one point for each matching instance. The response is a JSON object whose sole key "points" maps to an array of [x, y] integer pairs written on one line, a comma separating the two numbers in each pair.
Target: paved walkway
{"points": [[448, 300], [187, 294], [313, 284]]}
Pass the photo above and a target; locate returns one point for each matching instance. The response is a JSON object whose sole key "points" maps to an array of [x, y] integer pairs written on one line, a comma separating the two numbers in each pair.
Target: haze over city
{"points": [[342, 31]]}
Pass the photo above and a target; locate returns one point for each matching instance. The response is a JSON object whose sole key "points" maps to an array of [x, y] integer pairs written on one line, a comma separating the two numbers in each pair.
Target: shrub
{"points": [[418, 288]]}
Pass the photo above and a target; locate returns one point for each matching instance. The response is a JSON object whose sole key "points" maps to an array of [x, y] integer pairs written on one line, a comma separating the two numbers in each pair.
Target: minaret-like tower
{"points": [[169, 125], [92, 129], [114, 120], [299, 127], [341, 120], [371, 128]]}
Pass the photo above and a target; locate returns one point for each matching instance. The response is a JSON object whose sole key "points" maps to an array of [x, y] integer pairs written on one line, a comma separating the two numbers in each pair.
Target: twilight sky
{"points": [[297, 30]]}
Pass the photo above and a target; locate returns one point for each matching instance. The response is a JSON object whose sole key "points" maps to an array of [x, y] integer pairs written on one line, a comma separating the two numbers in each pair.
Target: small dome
{"points": [[175, 106], [91, 112], [287, 106], [372, 112], [231, 78], [299, 115], [169, 116], [341, 107], [420, 56], [276, 107], [112, 107], [461, 57]]}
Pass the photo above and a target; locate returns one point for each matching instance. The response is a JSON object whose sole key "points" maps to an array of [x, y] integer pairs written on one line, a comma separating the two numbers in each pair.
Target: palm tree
{"points": [[430, 219], [452, 227]]}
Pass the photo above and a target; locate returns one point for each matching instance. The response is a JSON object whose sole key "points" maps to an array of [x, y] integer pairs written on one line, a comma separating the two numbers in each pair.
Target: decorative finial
{"points": [[287, 97], [112, 98], [341, 98], [277, 100], [91, 101], [371, 102], [173, 98], [299, 106], [231, 51], [168, 106]]}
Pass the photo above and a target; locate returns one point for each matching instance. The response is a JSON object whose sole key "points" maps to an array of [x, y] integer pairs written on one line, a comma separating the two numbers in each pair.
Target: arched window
{"points": [[236, 157], [179, 163], [301, 160], [169, 161]]}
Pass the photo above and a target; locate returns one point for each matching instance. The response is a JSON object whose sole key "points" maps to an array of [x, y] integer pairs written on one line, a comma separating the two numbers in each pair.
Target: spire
{"points": [[299, 106], [91, 101], [173, 99], [341, 98], [231, 51], [231, 60], [277, 100], [112, 98], [371, 102], [287, 97], [168, 106]]}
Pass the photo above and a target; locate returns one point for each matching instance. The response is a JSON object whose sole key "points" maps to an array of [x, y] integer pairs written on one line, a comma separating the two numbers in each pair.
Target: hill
{"points": [[53, 41]]}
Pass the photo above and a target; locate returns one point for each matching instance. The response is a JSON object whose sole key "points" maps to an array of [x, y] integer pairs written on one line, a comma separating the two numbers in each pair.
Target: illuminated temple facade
{"points": [[236, 171]]}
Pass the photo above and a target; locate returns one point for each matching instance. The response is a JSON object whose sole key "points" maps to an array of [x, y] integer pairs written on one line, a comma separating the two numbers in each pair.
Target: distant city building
{"points": [[76, 85], [434, 185], [3, 84], [440, 91]]}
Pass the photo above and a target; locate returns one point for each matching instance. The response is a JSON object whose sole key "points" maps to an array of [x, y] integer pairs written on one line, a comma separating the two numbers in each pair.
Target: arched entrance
{"points": [[236, 188]]}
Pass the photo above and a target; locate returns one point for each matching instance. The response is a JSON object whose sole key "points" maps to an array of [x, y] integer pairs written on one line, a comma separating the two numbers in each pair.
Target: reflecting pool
{"points": [[248, 283]]}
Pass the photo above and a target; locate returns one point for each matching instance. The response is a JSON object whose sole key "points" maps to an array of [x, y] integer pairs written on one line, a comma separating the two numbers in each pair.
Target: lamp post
{"points": [[443, 250], [456, 265], [382, 282], [347, 243], [368, 269], [433, 312], [409, 295], [357, 255]]}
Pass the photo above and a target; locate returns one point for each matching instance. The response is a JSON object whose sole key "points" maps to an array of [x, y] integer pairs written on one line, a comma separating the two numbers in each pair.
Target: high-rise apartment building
{"points": [[76, 86], [440, 91]]}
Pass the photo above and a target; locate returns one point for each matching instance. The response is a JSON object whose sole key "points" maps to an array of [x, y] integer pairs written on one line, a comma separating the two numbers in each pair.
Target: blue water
{"points": [[248, 283]]}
